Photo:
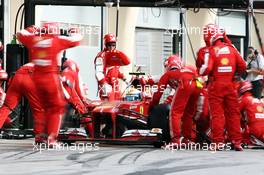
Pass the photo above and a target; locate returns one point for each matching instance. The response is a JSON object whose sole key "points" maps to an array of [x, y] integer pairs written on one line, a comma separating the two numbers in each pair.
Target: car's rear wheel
{"points": [[159, 118]]}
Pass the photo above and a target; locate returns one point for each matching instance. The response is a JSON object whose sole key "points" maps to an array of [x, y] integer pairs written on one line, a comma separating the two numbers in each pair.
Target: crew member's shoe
{"points": [[237, 146], [174, 144], [52, 142]]}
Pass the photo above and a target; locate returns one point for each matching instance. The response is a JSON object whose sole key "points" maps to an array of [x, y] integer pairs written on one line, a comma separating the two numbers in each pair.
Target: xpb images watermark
{"points": [[80, 147], [212, 147]]}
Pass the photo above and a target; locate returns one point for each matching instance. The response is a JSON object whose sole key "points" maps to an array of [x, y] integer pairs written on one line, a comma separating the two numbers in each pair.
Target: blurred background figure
{"points": [[255, 68]]}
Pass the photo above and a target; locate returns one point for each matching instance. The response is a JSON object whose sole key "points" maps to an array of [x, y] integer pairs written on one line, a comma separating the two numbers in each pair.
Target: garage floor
{"points": [[20, 157]]}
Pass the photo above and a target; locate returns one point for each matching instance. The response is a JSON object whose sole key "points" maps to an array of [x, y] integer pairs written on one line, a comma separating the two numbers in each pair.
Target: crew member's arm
{"points": [[207, 66], [260, 70], [99, 70], [244, 120], [163, 82], [70, 92], [124, 60], [241, 64], [100, 76], [26, 36], [72, 40], [79, 87], [201, 57], [121, 75]]}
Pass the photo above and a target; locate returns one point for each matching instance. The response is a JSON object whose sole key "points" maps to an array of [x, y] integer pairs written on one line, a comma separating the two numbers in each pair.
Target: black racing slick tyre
{"points": [[159, 118]]}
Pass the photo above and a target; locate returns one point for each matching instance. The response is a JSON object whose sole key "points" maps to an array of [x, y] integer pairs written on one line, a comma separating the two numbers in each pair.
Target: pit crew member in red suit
{"points": [[107, 64], [21, 85], [224, 60], [44, 48], [202, 116], [70, 81], [3, 77], [252, 112], [185, 97]]}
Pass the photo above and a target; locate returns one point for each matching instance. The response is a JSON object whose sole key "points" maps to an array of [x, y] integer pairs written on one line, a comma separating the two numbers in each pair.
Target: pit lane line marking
{"points": [[133, 155], [33, 152], [15, 154]]}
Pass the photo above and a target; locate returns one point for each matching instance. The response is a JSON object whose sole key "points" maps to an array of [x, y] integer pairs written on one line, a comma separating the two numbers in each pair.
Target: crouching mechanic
{"points": [[107, 65], [185, 97], [44, 49], [21, 85], [70, 81], [252, 112], [223, 61]]}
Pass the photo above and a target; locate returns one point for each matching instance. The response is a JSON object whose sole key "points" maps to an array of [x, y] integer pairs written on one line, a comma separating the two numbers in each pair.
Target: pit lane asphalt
{"points": [[20, 157]]}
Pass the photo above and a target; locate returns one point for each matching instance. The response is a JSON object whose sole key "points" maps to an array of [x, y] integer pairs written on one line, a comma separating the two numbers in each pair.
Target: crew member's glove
{"points": [[106, 88], [125, 81], [86, 101], [80, 108]]}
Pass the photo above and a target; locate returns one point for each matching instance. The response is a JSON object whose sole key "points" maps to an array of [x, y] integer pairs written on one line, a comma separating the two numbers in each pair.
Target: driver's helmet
{"points": [[133, 95]]}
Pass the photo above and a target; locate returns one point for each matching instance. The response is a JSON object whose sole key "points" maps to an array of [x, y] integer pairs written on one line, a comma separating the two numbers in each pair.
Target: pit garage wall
{"points": [[195, 23], [84, 55], [10, 10], [254, 39], [126, 33], [154, 37], [129, 19], [14, 5], [234, 24]]}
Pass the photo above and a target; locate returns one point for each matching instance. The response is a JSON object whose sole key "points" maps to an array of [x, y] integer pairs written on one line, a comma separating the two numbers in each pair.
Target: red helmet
{"points": [[109, 38], [173, 61], [206, 35], [211, 33], [52, 28], [245, 86], [71, 64]]}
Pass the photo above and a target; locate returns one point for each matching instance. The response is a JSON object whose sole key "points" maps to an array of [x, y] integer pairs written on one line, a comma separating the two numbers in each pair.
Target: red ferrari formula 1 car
{"points": [[125, 121]]}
